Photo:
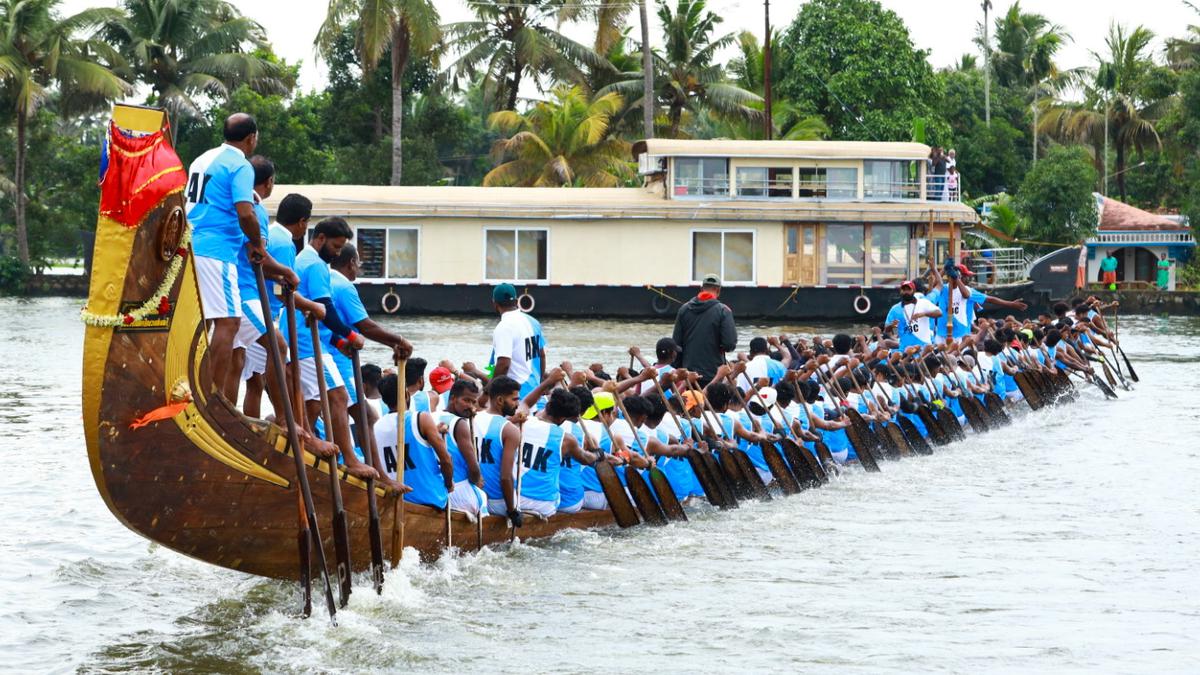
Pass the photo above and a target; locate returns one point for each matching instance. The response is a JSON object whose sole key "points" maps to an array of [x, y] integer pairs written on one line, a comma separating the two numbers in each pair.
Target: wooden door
{"points": [[800, 254]]}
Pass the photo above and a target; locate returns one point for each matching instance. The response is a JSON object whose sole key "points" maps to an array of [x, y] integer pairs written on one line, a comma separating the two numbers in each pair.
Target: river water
{"points": [[1067, 541]]}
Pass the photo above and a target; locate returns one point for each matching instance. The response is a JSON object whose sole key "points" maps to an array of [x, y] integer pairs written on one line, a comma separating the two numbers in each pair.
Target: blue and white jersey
{"points": [[622, 429], [518, 337], [217, 181], [752, 450], [540, 458], [678, 470], [762, 366], [648, 387], [247, 281], [283, 250], [420, 401], [963, 310], [488, 430], [913, 332], [347, 303], [314, 285], [587, 475], [422, 471], [456, 454], [570, 477]]}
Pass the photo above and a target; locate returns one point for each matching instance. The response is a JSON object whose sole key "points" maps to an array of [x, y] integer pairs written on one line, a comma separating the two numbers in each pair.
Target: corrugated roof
{"points": [[1119, 216], [666, 147], [597, 203]]}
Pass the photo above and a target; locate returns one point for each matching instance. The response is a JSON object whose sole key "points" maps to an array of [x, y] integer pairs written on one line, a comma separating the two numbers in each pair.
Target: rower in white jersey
{"points": [[468, 495], [518, 345]]}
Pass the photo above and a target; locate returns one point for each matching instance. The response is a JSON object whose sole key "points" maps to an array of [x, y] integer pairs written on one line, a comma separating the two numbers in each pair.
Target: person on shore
{"points": [[518, 344], [705, 331], [220, 208], [1164, 273], [1108, 270]]}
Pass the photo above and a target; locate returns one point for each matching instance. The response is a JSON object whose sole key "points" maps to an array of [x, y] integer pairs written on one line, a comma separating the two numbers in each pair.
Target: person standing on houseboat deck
{"points": [[705, 331], [518, 345], [1164, 272], [220, 207], [1108, 267]]}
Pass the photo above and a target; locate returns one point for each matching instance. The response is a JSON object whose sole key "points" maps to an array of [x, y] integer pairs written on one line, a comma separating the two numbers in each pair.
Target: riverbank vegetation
{"points": [[508, 98]]}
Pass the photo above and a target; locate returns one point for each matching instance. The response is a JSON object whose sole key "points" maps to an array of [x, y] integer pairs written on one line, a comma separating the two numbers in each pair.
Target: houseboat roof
{"points": [[507, 203], [667, 147]]}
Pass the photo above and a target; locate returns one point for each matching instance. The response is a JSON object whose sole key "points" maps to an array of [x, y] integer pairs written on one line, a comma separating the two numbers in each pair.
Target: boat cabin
{"points": [[764, 215]]}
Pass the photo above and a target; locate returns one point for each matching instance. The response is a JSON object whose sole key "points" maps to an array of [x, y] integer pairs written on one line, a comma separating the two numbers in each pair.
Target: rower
{"points": [[570, 475], [498, 439], [518, 345], [666, 351], [414, 382], [220, 208], [544, 447], [661, 429], [428, 468], [468, 495], [440, 380], [324, 245], [603, 403], [761, 366]]}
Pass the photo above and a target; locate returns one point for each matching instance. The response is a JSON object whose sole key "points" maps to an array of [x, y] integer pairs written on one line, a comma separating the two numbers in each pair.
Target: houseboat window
{"points": [[844, 254], [515, 255], [729, 254], [793, 240], [889, 254], [843, 183], [403, 251], [370, 244], [762, 181], [891, 179], [821, 183], [696, 176]]}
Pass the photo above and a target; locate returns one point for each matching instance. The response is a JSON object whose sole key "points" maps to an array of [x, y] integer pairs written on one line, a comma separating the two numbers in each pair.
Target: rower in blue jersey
{"points": [[638, 435], [674, 463], [220, 208], [592, 422], [415, 381], [468, 495], [428, 468], [498, 441], [570, 476], [518, 345], [545, 446]]}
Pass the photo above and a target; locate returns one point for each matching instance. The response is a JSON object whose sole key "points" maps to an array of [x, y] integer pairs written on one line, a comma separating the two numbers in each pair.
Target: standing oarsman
{"points": [[958, 300], [518, 345], [705, 331], [220, 207], [913, 317], [312, 267]]}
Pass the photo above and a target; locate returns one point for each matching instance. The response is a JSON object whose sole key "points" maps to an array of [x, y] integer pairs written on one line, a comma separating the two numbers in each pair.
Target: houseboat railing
{"points": [[783, 188], [996, 266]]}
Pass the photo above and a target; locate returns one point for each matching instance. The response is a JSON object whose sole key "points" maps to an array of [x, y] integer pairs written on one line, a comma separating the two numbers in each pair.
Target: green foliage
{"points": [[853, 63], [1056, 200], [14, 275]]}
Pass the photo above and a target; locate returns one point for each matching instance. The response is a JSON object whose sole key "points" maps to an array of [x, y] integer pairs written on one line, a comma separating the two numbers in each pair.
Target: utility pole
{"points": [[647, 75], [987, 66], [768, 124]]}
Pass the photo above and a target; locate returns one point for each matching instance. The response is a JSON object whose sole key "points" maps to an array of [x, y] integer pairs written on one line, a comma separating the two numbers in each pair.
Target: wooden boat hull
{"points": [[203, 480]]}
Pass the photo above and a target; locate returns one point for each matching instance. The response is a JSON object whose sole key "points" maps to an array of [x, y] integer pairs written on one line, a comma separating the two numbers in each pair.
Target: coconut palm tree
{"points": [[1113, 110], [1184, 53], [511, 40], [687, 78], [41, 51], [790, 121], [188, 48], [408, 28], [561, 142]]}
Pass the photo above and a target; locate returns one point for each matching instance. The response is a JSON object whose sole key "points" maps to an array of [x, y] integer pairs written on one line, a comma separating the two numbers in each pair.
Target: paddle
{"points": [[774, 461], [401, 451], [857, 432], [667, 501], [297, 401], [726, 459], [701, 460], [341, 530], [512, 535], [1117, 341], [799, 460], [478, 459], [946, 416], [651, 512], [618, 500], [308, 519], [373, 528], [935, 431], [886, 435]]}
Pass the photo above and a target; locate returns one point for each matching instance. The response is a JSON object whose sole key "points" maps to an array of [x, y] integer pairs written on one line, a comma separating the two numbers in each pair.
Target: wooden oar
{"points": [[478, 459], [341, 530], [727, 458], [922, 411], [699, 458], [652, 512], [304, 541], [512, 534], [373, 527], [667, 500], [805, 470], [947, 418], [892, 428], [779, 469], [618, 500], [1117, 341], [401, 451], [891, 448], [308, 519], [725, 480], [857, 432]]}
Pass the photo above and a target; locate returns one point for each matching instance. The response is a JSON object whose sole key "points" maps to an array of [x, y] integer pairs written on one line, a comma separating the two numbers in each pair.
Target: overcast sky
{"points": [[944, 27]]}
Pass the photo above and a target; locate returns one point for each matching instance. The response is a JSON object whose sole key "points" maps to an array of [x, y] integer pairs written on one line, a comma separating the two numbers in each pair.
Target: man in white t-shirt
{"points": [[914, 318], [518, 345]]}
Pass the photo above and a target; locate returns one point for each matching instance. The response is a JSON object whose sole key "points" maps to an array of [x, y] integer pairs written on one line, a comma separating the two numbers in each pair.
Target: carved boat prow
{"points": [[195, 475]]}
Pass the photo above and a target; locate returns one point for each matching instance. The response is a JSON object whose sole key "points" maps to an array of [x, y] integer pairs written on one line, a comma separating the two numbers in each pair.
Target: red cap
{"points": [[441, 379], [965, 271], [908, 282]]}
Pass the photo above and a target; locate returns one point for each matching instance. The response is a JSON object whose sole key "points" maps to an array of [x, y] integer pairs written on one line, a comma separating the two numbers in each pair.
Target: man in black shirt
{"points": [[704, 329]]}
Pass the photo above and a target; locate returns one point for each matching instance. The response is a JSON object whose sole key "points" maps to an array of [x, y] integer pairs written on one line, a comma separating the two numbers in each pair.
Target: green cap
{"points": [[504, 293], [712, 280]]}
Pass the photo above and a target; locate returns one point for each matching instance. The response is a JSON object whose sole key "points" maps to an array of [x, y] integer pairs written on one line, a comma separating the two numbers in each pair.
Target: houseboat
{"points": [[795, 229]]}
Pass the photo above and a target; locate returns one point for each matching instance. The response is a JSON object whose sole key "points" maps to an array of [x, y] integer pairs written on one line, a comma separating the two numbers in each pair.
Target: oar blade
{"points": [[618, 501], [666, 495], [652, 513]]}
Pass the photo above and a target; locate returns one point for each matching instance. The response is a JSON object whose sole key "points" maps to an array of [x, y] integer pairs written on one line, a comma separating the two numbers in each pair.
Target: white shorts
{"points": [[252, 327], [571, 508], [594, 501], [219, 297], [468, 499], [765, 476], [538, 506], [256, 360], [308, 377]]}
